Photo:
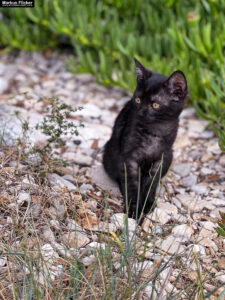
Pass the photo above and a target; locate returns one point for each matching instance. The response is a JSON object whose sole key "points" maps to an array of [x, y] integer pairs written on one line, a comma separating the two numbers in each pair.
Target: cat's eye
{"points": [[138, 100], [155, 105]]}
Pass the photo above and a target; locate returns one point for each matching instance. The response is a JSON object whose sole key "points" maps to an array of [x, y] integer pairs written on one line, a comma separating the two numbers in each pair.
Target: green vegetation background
{"points": [[105, 35]]}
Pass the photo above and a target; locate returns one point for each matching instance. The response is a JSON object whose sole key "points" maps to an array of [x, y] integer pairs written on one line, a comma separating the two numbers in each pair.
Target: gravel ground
{"points": [[191, 195]]}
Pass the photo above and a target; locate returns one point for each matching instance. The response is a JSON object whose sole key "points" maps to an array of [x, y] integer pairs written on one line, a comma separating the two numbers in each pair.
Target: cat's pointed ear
{"points": [[141, 71], [177, 84]]}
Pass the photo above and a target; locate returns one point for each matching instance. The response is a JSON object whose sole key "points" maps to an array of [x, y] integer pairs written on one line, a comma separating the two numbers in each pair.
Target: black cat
{"points": [[139, 151]]}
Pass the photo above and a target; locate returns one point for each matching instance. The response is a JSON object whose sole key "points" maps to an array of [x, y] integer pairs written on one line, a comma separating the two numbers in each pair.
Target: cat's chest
{"points": [[149, 148]]}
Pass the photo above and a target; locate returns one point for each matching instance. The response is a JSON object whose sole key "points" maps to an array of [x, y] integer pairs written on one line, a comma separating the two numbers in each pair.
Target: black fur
{"points": [[143, 135]]}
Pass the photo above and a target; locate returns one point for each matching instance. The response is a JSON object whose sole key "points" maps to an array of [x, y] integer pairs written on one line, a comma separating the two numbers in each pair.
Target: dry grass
{"points": [[29, 273]]}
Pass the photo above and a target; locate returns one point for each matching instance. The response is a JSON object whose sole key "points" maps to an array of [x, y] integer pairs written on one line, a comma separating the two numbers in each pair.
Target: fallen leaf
{"points": [[94, 144], [90, 222], [5, 170], [48, 53], [45, 157], [100, 198], [3, 221], [193, 276], [46, 101], [77, 198], [222, 214], [221, 263], [20, 104], [63, 150], [35, 198], [83, 212], [89, 271], [213, 177], [214, 220], [47, 78], [3, 97]]}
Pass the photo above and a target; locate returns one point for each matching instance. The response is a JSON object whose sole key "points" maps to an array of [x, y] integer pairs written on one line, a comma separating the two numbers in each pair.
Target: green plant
{"points": [[56, 126], [107, 34], [221, 229]]}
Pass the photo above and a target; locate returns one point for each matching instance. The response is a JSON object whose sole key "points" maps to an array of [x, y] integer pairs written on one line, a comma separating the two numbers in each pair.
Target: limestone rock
{"points": [[101, 179], [48, 253], [75, 239], [78, 158], [188, 112], [59, 182], [207, 134], [55, 224], [3, 262], [196, 127], [184, 232], [207, 242], [200, 189], [169, 208], [147, 225], [216, 212], [172, 246], [182, 169], [85, 187], [218, 202], [97, 245], [87, 261], [221, 278], [209, 225], [74, 226], [182, 141], [119, 220], [198, 249], [206, 171], [90, 110], [189, 180], [48, 235], [145, 266], [3, 85], [35, 209], [23, 197], [159, 215], [221, 263], [194, 205], [157, 230]]}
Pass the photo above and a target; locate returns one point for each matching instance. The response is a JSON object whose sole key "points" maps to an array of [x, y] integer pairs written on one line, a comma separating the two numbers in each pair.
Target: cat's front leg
{"points": [[160, 167], [148, 191], [129, 186], [149, 183]]}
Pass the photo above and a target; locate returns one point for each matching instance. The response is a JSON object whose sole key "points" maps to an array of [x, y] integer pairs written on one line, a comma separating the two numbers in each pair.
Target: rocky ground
{"points": [[77, 203]]}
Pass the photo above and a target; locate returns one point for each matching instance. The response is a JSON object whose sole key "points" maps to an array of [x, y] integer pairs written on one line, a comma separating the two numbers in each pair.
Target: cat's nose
{"points": [[141, 113]]}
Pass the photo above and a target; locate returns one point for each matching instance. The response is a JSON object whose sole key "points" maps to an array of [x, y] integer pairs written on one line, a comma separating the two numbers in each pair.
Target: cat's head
{"points": [[158, 97]]}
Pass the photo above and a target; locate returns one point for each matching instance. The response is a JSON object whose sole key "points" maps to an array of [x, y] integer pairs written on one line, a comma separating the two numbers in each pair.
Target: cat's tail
{"points": [[110, 157]]}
